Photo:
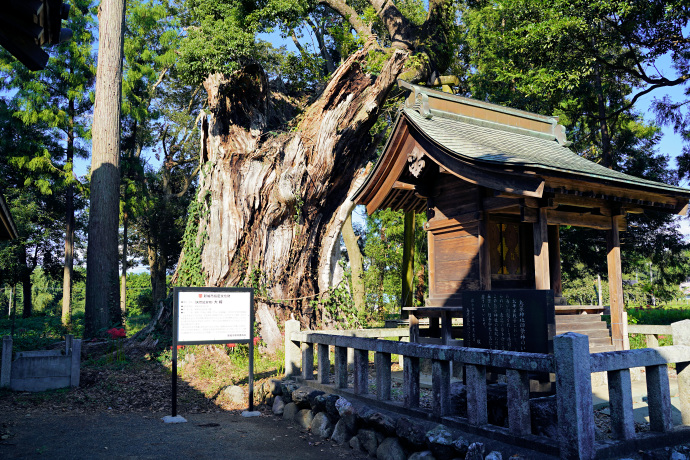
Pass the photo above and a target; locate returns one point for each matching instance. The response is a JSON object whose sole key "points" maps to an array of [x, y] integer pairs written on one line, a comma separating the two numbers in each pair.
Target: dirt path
{"points": [[223, 435]]}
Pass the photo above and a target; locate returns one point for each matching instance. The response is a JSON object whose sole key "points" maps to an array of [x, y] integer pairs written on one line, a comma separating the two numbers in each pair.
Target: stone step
{"points": [[600, 348], [591, 333], [577, 319], [599, 341]]}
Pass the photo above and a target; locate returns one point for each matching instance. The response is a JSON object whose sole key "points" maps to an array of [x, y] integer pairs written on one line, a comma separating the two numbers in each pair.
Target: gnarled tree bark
{"points": [[275, 204]]}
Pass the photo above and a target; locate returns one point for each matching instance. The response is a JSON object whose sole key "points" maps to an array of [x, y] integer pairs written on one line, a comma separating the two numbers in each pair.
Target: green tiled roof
{"points": [[469, 139]]}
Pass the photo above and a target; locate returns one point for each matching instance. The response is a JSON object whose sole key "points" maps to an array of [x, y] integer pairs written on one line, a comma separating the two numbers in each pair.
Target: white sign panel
{"points": [[214, 316]]}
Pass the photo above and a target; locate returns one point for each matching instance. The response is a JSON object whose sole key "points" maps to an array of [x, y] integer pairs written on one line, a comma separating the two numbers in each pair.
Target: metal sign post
{"points": [[209, 315]]}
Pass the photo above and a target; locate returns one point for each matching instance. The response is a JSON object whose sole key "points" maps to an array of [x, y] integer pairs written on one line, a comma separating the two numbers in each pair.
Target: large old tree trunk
{"points": [[274, 203]]}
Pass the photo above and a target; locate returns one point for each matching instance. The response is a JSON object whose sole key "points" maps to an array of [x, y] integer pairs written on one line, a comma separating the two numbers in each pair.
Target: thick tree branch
{"points": [[350, 15], [401, 30]]}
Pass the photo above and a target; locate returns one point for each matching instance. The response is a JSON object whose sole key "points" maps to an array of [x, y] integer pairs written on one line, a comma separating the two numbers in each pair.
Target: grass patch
{"points": [[34, 333], [658, 315], [211, 368]]}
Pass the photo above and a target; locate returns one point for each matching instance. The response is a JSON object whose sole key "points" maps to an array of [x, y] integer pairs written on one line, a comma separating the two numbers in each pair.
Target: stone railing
{"points": [[651, 332], [571, 363]]}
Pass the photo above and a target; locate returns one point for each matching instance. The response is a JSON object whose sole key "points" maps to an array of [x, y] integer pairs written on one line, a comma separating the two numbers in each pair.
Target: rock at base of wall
{"points": [[369, 440], [475, 451], [390, 449], [278, 406], [286, 389], [303, 397], [380, 422], [304, 418], [234, 394], [494, 455], [461, 445], [275, 387], [425, 455], [356, 444], [322, 426], [440, 442], [341, 433], [326, 403], [411, 434], [289, 411]]}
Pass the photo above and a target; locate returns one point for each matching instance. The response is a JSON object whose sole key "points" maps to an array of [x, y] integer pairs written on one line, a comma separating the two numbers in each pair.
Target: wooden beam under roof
{"points": [[587, 220]]}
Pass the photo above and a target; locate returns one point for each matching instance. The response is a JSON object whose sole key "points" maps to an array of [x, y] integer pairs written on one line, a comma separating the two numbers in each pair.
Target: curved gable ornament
{"points": [[416, 161]]}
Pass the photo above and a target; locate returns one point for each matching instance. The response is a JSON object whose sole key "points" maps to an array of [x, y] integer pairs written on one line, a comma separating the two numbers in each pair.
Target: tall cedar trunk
{"points": [[123, 279], [356, 263], [275, 205], [68, 268], [158, 268], [25, 279], [102, 294]]}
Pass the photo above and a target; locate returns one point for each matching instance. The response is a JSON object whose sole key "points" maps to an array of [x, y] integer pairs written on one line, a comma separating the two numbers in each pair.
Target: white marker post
{"points": [[208, 315]]}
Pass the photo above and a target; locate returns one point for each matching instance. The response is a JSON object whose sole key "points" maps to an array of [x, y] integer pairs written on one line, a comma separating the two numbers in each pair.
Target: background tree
{"points": [[102, 293], [56, 101], [31, 186]]}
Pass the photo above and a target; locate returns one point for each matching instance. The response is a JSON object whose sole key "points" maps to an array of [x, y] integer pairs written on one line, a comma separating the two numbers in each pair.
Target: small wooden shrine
{"points": [[496, 184]]}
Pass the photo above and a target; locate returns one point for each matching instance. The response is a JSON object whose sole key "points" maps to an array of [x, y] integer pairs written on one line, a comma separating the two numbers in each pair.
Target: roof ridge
{"points": [[421, 103]]}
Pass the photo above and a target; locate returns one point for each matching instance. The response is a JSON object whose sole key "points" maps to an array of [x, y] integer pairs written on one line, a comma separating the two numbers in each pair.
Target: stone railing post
{"points": [[681, 336], [76, 362], [293, 354], [624, 331], [574, 396], [6, 361]]}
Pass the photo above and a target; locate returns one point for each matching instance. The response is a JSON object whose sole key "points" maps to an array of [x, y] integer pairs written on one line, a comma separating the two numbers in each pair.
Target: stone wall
{"points": [[381, 435]]}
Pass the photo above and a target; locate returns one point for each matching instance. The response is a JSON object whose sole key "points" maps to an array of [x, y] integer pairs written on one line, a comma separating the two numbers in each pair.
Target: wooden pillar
{"points": [[555, 261], [484, 257], [408, 263], [483, 242], [615, 283], [542, 277]]}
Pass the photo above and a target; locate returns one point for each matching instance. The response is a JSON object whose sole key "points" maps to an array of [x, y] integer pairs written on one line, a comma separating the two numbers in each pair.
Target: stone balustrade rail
{"points": [[571, 363]]}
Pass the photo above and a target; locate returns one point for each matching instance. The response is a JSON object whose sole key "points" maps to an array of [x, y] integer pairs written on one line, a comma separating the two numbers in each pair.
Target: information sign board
{"points": [[513, 320], [213, 315], [208, 315]]}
